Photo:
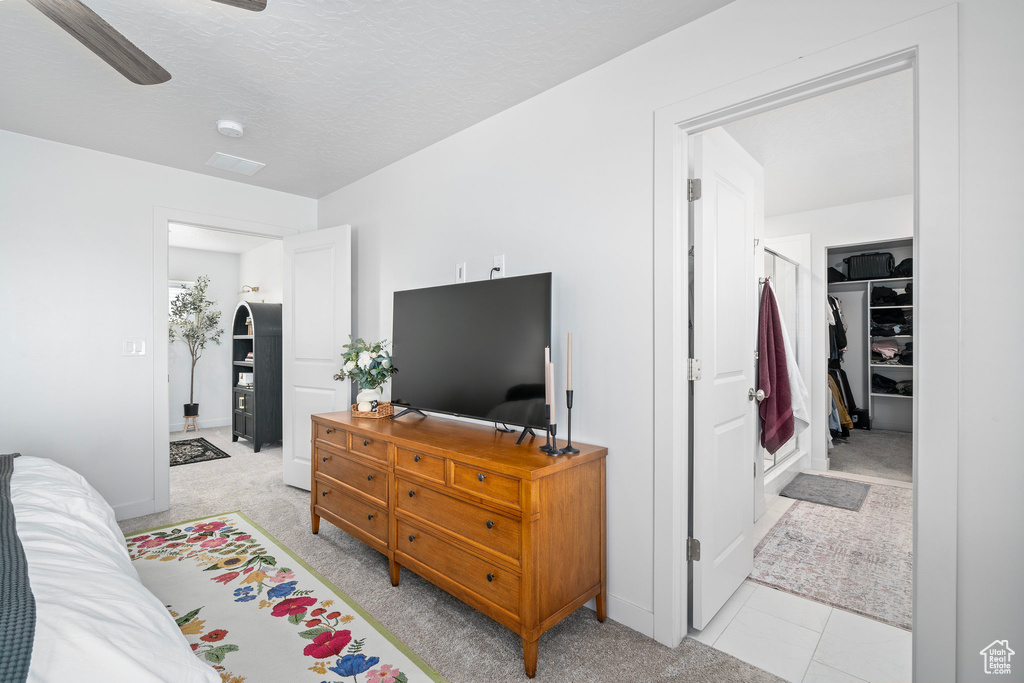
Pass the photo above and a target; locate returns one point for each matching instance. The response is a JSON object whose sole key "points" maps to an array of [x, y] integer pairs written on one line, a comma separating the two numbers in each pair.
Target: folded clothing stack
{"points": [[889, 352], [880, 384]]}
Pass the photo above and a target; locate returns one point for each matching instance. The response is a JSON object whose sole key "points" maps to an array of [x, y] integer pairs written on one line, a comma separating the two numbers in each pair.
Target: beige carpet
{"points": [[462, 644], [875, 453]]}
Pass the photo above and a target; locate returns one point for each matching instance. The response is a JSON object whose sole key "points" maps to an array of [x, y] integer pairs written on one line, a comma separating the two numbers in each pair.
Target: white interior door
{"points": [[316, 322], [726, 220]]}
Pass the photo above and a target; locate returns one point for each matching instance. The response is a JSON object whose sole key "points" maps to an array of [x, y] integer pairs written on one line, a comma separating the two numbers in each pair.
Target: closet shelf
{"points": [[875, 308], [894, 336], [889, 365], [891, 395]]}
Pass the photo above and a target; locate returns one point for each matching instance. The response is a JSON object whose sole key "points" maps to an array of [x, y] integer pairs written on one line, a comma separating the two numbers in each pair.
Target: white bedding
{"points": [[95, 621]]}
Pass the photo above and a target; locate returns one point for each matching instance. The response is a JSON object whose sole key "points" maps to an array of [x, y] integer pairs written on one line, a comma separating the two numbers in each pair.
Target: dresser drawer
{"points": [[486, 484], [371, 481], [492, 583], [421, 464], [332, 435], [367, 517], [491, 530], [375, 448]]}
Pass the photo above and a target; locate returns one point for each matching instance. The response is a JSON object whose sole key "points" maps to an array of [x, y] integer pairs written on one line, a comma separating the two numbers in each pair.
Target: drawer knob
{"points": [[481, 476], [411, 493], [369, 477], [330, 431], [415, 458], [490, 577], [324, 493], [490, 524], [411, 538], [324, 458], [366, 442], [369, 517]]}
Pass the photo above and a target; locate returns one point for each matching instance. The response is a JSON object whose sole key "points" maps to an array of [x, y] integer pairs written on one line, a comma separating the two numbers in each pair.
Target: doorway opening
{"points": [[238, 270], [813, 545]]}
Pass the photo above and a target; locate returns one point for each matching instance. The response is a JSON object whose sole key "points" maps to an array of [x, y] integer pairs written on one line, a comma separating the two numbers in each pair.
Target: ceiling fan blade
{"points": [[251, 5], [96, 34]]}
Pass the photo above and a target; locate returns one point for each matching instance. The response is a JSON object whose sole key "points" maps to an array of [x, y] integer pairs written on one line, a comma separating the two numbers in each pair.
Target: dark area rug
{"points": [[838, 493], [194, 450]]}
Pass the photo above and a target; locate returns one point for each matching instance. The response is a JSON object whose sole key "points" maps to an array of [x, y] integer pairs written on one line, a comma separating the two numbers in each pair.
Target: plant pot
{"points": [[191, 409]]}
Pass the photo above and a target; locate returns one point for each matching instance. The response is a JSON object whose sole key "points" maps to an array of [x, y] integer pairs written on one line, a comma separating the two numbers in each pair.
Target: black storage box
{"points": [[870, 266], [860, 419]]}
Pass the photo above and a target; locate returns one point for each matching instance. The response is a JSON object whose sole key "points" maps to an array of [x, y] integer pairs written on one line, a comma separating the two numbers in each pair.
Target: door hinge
{"points": [[692, 369], [692, 550], [693, 189]]}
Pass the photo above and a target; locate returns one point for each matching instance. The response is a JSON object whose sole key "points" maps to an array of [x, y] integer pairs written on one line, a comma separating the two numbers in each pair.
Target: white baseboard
{"points": [[628, 614], [135, 509], [203, 423]]}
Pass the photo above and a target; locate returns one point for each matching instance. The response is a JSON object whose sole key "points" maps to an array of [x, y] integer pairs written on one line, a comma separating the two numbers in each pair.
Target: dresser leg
{"points": [[396, 572], [316, 523], [530, 656], [602, 605]]}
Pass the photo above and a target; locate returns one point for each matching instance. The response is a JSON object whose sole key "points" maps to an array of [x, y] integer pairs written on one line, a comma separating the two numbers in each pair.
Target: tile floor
{"points": [[801, 640]]}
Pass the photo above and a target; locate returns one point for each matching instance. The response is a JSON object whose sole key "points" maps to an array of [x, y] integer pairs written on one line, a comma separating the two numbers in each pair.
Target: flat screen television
{"points": [[474, 349]]}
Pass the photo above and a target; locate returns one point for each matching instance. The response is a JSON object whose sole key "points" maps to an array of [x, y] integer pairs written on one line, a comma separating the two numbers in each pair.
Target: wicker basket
{"points": [[384, 410]]}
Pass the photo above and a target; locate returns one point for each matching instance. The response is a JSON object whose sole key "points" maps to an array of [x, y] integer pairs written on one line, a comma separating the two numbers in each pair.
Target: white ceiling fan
{"points": [[109, 45]]}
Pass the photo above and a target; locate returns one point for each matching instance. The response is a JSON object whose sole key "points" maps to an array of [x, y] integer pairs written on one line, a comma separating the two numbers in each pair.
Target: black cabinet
{"points": [[256, 373]]}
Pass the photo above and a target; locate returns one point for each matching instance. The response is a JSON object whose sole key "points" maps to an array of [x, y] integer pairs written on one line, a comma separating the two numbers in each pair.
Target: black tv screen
{"points": [[474, 349]]}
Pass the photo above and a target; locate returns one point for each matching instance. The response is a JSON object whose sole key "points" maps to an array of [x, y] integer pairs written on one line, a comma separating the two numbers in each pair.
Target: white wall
{"points": [[990, 550], [852, 224], [77, 277], [563, 182], [263, 267], [213, 371]]}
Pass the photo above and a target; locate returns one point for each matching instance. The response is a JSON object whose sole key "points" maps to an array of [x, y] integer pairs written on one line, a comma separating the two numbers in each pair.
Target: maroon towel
{"points": [[772, 376]]}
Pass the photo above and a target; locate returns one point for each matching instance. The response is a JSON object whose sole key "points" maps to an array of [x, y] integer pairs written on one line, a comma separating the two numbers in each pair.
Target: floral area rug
{"points": [[188, 451], [256, 612], [859, 561]]}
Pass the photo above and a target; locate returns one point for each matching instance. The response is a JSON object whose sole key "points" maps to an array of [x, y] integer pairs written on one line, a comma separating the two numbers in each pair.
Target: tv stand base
{"points": [[526, 430], [408, 410]]}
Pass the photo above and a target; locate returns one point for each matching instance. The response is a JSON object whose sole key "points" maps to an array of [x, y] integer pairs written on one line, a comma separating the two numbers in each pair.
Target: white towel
{"points": [[799, 395]]}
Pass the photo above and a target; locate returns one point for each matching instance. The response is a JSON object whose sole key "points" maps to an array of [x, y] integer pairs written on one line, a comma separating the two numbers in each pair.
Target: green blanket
{"points": [[17, 605]]}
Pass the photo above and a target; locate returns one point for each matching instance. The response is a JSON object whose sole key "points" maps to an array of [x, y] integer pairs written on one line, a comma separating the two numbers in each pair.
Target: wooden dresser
{"points": [[514, 533]]}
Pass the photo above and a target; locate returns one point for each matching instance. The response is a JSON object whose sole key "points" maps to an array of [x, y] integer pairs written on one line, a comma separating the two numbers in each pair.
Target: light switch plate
{"points": [[460, 272], [133, 347]]}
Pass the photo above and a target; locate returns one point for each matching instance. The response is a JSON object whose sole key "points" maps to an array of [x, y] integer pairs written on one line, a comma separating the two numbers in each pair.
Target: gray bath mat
{"points": [[839, 493]]}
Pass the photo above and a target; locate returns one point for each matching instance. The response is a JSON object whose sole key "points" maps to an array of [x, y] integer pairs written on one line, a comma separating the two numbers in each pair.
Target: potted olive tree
{"points": [[195, 321]]}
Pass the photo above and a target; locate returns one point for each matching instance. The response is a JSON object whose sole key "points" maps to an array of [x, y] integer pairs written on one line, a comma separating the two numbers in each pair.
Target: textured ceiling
{"points": [[328, 90], [848, 146]]}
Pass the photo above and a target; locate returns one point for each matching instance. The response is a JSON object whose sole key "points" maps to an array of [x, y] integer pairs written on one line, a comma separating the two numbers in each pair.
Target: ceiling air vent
{"points": [[227, 162]]}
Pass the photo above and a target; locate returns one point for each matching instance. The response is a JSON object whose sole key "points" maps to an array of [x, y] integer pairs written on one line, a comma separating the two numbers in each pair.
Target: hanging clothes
{"points": [[773, 378], [838, 329], [844, 416]]}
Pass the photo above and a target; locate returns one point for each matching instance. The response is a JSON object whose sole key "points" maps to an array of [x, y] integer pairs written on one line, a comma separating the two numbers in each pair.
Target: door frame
{"points": [[929, 45], [162, 216]]}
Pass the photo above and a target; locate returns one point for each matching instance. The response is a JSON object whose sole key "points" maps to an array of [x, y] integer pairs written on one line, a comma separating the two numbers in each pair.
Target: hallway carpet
{"points": [[875, 453], [462, 644]]}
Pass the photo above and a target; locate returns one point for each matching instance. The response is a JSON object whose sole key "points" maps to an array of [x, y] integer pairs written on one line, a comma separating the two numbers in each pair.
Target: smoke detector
{"points": [[233, 129]]}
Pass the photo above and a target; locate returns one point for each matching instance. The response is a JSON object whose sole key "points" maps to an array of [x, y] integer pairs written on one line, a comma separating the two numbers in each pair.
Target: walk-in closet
{"points": [[870, 312]]}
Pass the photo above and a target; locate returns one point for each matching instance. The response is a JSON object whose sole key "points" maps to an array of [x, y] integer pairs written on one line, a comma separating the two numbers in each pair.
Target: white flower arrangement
{"points": [[368, 365]]}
